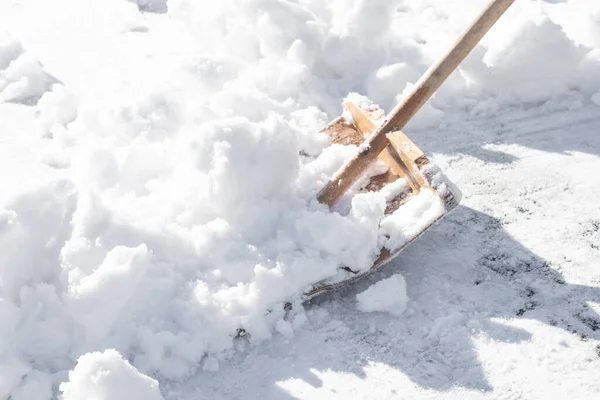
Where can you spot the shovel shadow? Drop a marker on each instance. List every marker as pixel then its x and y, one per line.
pixel 473 284
pixel 465 277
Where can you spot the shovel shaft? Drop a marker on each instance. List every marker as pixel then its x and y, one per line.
pixel 405 110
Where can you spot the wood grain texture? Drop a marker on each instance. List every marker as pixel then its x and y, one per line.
pixel 366 126
pixel 411 156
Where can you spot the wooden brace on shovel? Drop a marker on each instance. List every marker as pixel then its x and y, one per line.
pixel 401 155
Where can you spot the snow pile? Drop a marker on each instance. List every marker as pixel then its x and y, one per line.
pixel 57 107
pixel 186 214
pixel 107 376
pixel 387 295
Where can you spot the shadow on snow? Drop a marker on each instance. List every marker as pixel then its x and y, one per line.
pixel 462 275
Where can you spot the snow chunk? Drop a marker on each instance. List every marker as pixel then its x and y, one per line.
pixel 57 107
pixel 388 295
pixel 549 72
pixel 383 84
pixel 413 217
pixel 361 102
pixel 107 376
pixel 101 296
pixel 21 75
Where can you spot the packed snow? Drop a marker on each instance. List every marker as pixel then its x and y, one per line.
pixel 161 160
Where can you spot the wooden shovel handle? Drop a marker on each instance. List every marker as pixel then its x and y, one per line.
pixel 405 110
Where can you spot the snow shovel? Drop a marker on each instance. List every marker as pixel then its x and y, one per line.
pixel 377 135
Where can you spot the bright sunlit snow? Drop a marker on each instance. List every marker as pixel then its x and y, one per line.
pixel 160 164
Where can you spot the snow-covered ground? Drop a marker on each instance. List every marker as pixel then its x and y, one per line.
pixel 504 293
pixel 152 201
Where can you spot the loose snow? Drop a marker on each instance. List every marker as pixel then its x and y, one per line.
pixel 21 74
pixel 161 160
pixel 107 376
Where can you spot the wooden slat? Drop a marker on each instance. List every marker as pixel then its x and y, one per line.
pixel 410 154
pixel 366 126
pixel 341 132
